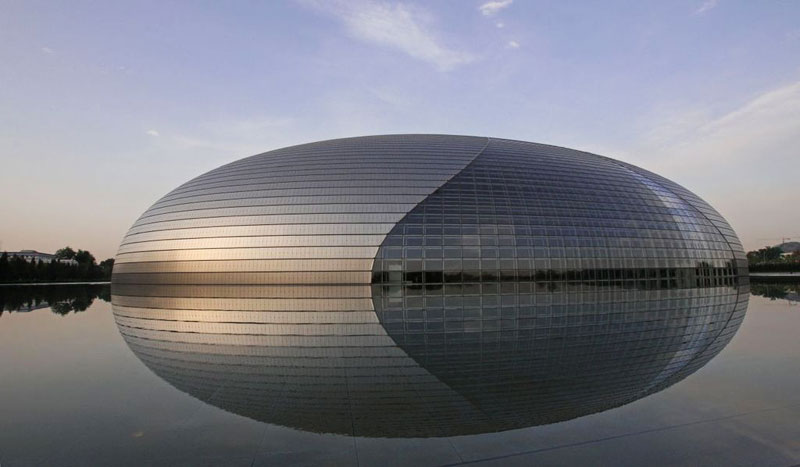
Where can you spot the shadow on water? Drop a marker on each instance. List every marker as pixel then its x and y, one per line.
pixel 62 299
pixel 776 288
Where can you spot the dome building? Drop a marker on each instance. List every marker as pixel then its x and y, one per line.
pixel 512 279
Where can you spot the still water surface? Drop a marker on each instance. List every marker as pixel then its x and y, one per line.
pixel 73 393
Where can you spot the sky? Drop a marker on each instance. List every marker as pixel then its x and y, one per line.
pixel 107 106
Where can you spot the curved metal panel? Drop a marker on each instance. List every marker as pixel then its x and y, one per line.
pixel 327 201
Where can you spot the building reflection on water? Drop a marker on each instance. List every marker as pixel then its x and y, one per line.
pixel 375 361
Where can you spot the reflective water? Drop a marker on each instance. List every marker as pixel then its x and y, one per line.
pixel 426 361
pixel 79 388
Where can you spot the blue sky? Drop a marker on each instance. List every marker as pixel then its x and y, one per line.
pixel 106 106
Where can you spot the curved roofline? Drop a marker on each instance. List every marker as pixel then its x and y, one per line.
pixel 488 138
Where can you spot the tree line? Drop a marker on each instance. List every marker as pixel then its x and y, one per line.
pixel 771 259
pixel 84 268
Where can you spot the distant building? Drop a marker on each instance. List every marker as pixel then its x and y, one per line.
pixel 33 255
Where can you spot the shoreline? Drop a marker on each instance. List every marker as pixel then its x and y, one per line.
pixel 18 284
pixel 756 275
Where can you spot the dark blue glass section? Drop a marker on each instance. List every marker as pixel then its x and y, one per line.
pixel 534 246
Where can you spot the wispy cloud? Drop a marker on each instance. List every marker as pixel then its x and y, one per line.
pixel 152 133
pixel 490 8
pixel 706 6
pixel 406 28
pixel 47 50
pixel 792 35
pixel 513 44
pixel 390 96
pixel 241 137
pixel 769 119
pixel 751 152
pixel 500 24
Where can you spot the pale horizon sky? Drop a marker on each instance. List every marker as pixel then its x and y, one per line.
pixel 107 106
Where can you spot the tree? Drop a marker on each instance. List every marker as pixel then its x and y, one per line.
pixel 766 254
pixel 65 253
pixel 771 253
pixel 40 272
pixel 4 268
pixel 19 269
pixel 106 266
pixel 84 257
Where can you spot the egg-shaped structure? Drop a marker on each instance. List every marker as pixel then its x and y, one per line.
pixel 354 285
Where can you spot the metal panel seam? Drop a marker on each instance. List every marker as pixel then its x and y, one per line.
pixel 445 182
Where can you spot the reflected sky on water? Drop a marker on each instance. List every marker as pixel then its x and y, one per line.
pixel 74 393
